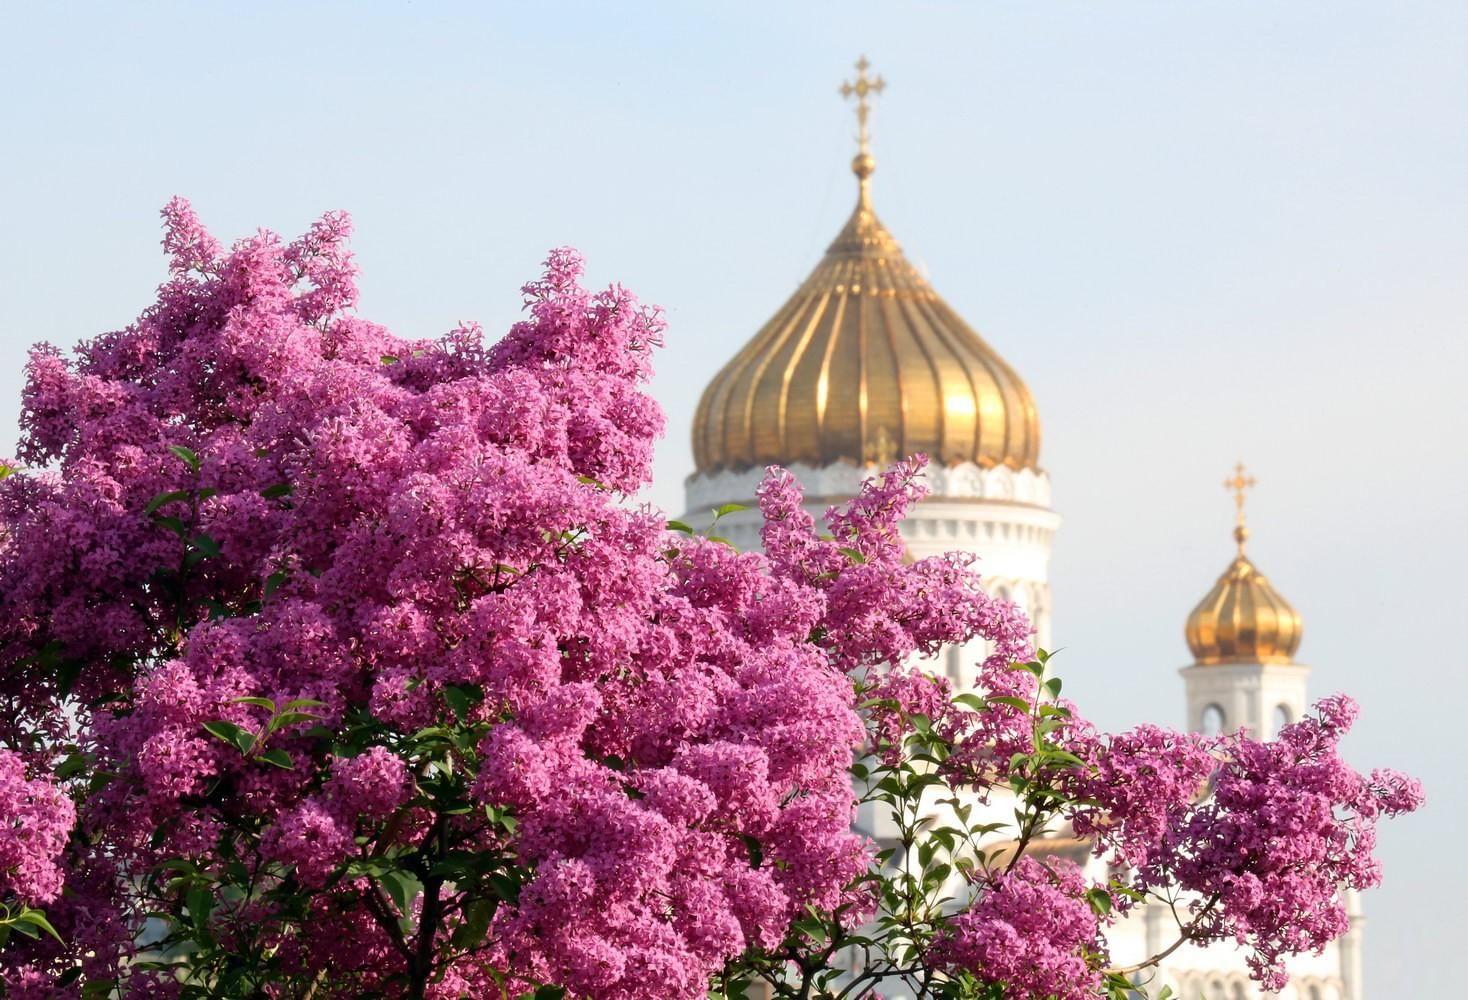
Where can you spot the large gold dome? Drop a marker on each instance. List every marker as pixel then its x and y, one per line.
pixel 865 364
pixel 1243 619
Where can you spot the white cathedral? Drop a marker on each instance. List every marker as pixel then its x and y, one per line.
pixel 865 363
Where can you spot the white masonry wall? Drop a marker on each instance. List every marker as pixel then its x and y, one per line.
pixel 1252 696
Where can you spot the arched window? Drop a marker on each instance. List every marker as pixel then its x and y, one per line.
pixel 1282 718
pixel 1212 721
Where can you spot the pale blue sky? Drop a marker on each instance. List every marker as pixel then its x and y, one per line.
pixel 1201 231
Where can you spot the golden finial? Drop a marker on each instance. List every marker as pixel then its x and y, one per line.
pixel 863 87
pixel 1238 484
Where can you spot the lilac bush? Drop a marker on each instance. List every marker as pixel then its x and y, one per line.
pixel 338 665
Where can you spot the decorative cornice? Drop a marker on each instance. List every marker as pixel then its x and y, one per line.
pixel 840 481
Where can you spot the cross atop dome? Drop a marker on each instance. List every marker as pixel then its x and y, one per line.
pixel 1238 484
pixel 860 88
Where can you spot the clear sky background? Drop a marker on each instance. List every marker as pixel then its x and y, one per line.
pixel 1201 231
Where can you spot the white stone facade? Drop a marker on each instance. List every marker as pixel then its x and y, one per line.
pixel 1258 697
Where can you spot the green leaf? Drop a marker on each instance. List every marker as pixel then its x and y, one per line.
pixel 505 886
pixel 1018 703
pixel 274 580
pixel 173 524
pixel 278 490
pixel 291 719
pixel 470 934
pixel 264 703
pixel 855 555
pixel 187 455
pixel 1066 757
pixel 970 700
pixel 296 703
pixel 200 904
pixel 550 993
pixel 459 701
pixel 279 758
pixel 7 470
pixel 164 498
pixel 729 508
pixel 680 526
pixel 208 546
pixel 403 887
pixel 389 359
pixel 73 765
pixel 756 851
pixel 232 734
pixel 35 919
pixel 1100 901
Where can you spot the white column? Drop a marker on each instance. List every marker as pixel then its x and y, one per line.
pixel 1352 984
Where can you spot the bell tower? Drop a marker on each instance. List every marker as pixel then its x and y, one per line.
pixel 1243 636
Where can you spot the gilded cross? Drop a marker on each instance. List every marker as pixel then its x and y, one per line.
pixel 862 87
pixel 1238 484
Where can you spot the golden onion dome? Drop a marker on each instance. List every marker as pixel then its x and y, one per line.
pixel 865 364
pixel 1243 619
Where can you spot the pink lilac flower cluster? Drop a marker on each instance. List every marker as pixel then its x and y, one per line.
pixel 36 817
pixel 1139 785
pixel 252 497
pixel 890 616
pixel 251 493
pixel 1288 828
pixel 1031 933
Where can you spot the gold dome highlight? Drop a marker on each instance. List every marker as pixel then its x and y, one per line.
pixel 1243 619
pixel 865 364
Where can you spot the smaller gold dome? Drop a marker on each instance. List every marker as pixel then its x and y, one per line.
pixel 1243 619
